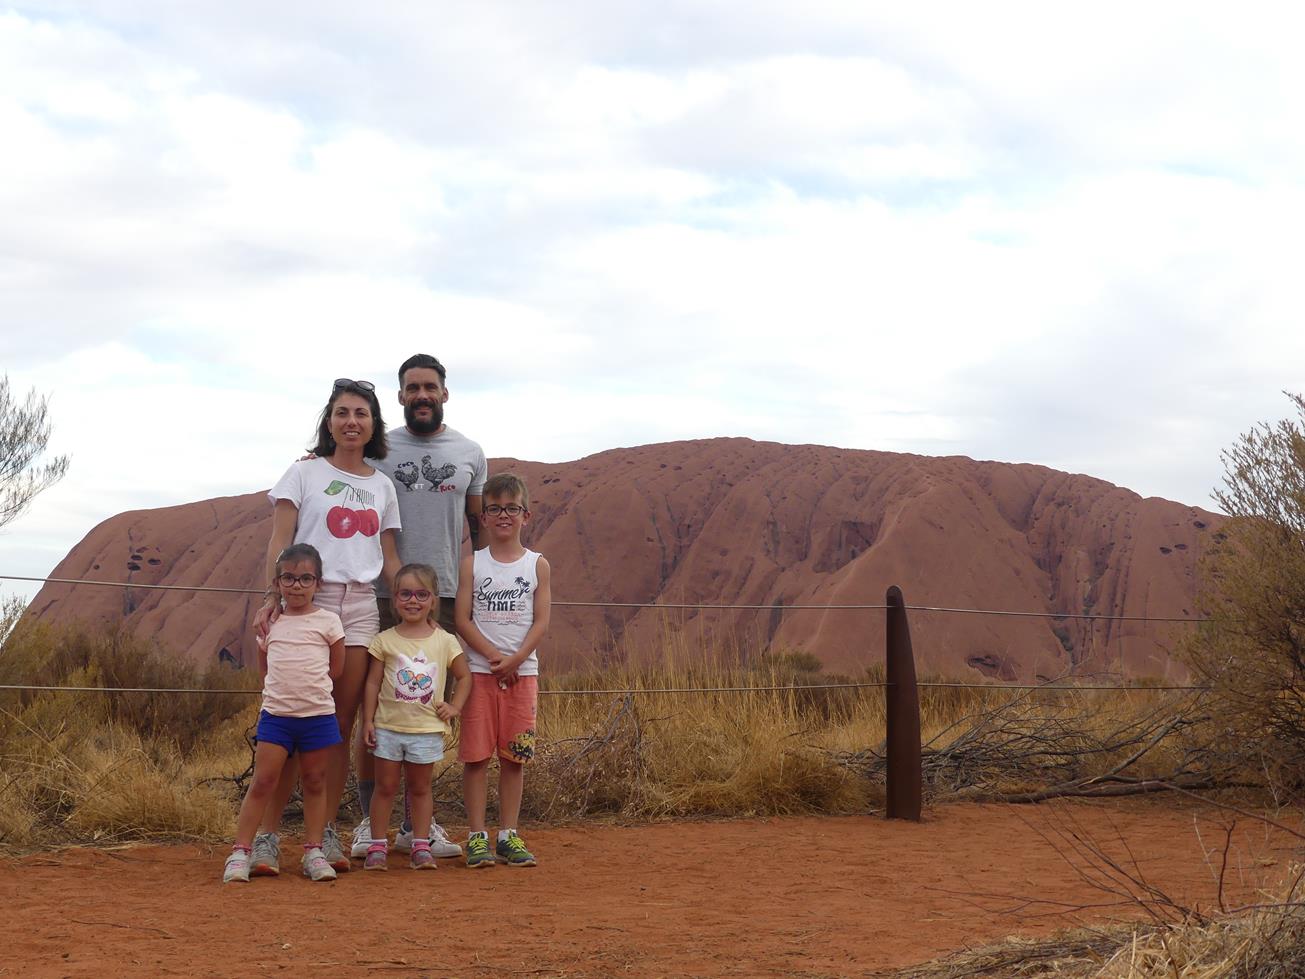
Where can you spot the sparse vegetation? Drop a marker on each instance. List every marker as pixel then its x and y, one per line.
pixel 24 434
pixel 1252 648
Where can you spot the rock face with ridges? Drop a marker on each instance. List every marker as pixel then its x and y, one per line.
pixel 737 522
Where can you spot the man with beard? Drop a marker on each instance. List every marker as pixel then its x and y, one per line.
pixel 438 476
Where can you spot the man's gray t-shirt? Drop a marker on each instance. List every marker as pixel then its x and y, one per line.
pixel 433 476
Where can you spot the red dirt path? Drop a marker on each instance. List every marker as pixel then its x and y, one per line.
pixel 802 896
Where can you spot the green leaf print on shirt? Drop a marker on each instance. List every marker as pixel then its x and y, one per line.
pixel 335 488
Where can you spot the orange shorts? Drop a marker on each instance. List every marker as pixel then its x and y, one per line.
pixel 495 720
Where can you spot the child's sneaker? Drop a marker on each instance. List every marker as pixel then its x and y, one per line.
pixel 512 851
pixel 333 851
pixel 440 844
pixel 422 858
pixel 265 860
pixel 377 857
pixel 362 838
pixel 237 868
pixel 316 866
pixel 478 854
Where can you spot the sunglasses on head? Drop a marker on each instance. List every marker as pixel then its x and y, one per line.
pixel 344 383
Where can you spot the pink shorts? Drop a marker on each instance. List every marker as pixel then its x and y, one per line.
pixel 355 604
pixel 495 720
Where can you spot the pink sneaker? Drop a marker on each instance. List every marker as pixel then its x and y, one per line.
pixel 377 858
pixel 422 858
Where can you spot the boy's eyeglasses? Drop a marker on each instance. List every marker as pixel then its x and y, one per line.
pixel 511 509
pixel 345 382
pixel 288 579
pixel 408 594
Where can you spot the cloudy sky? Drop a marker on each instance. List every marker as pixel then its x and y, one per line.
pixel 1013 232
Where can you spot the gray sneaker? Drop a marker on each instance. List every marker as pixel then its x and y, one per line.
pixel 316 867
pixel 440 844
pixel 333 851
pixel 265 858
pixel 237 868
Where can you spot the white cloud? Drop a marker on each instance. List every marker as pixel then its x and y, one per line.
pixel 1007 232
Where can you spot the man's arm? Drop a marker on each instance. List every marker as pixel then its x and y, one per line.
pixel 474 505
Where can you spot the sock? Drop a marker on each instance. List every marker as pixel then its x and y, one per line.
pixel 420 845
pixel 481 833
pixel 309 847
pixel 366 787
pixel 503 834
pixel 240 849
pixel 382 844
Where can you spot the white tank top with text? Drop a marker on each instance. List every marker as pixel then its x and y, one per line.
pixel 503 607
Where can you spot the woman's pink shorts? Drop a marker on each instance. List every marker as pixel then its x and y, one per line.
pixel 497 720
pixel 355 604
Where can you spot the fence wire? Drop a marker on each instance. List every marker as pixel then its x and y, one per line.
pixel 665 605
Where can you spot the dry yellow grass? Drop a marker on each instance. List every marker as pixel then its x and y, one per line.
pixel 81 767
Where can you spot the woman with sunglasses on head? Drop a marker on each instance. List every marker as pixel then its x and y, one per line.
pixel 346 509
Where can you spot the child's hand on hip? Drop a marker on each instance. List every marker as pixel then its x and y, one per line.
pixel 446 711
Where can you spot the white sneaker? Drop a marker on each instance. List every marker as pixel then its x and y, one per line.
pixel 440 844
pixel 362 838
pixel 316 866
pixel 237 868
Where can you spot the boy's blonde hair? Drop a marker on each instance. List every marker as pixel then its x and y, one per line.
pixel 425 574
pixel 507 484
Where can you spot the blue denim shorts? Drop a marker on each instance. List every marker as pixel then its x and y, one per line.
pixel 298 733
pixel 419 749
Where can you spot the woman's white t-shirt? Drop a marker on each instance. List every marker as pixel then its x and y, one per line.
pixel 342 515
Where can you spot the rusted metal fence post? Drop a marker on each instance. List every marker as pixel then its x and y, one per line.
pixel 903 699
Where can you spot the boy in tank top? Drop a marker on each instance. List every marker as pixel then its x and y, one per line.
pixel 502 611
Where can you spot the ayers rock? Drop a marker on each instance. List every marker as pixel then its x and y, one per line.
pixel 733 521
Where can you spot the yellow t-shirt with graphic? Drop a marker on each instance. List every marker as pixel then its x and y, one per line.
pixel 412 680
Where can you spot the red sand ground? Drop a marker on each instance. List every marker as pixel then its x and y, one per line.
pixel 798 896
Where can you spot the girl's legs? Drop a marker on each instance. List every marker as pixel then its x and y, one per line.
pixel 279 798
pixel 312 772
pixel 475 789
pixel 417 777
pixel 387 784
pixel 269 759
pixel 511 776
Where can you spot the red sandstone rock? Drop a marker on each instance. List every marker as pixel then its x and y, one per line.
pixel 732 521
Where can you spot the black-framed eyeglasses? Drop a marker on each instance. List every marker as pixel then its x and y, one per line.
pixel 347 382
pixel 408 594
pixel 305 579
pixel 511 509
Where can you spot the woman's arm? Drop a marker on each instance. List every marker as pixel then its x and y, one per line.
pixel 390 558
pixel 285 518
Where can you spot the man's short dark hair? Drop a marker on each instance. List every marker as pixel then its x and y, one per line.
pixel 421 360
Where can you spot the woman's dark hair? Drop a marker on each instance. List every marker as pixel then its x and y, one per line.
pixel 300 552
pixel 376 448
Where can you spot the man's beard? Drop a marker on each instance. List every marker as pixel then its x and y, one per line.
pixel 421 426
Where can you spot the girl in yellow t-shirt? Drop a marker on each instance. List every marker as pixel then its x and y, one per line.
pixel 404 718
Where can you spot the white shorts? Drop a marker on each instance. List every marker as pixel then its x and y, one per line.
pixel 355 604
pixel 418 749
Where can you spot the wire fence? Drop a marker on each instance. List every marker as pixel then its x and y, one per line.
pixel 1057 686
